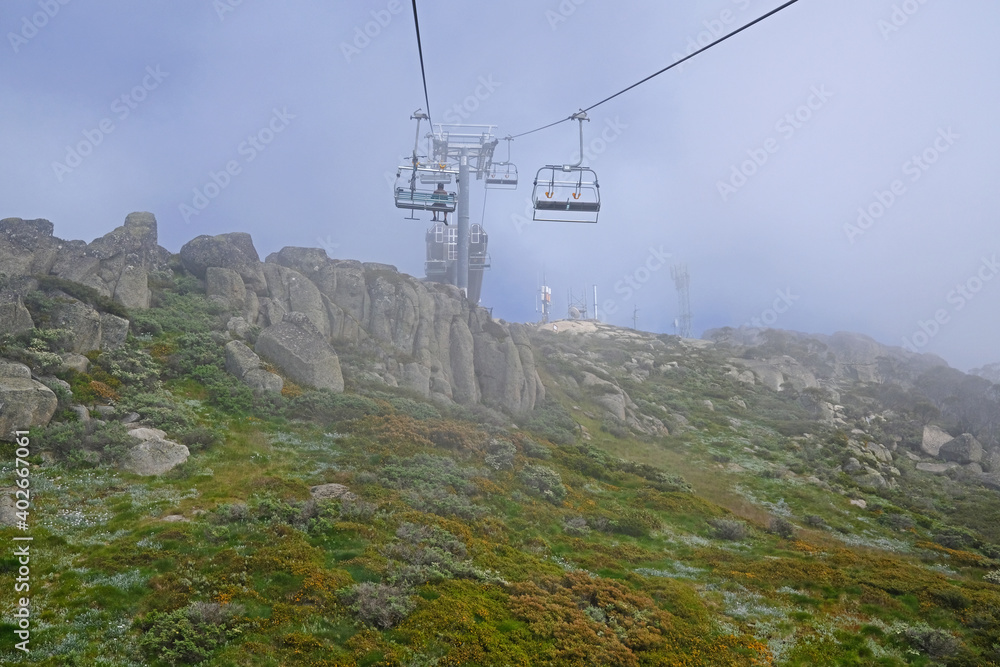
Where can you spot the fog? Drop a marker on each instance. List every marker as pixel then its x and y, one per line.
pixel 829 169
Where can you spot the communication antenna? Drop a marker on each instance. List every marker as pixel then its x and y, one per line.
pixel 543 301
pixel 577 306
pixel 682 281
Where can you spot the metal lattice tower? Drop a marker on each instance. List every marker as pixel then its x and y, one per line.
pixel 682 280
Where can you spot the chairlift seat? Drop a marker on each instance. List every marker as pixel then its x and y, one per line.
pixel 421 200
pixel 568 205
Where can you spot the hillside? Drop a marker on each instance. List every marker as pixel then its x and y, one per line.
pixel 312 461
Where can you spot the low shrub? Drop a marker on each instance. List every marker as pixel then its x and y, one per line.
pixel 781 527
pixel 378 604
pixel 189 636
pixel 544 482
pixel 729 529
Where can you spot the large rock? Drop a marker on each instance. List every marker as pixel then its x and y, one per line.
pixel 229 251
pixel 83 321
pixel 27 247
pixel 296 347
pixel 991 461
pixel 8 507
pixel 114 331
pixel 155 456
pixel 23 402
pixel 501 376
pixel 226 285
pixel 963 449
pixel 244 363
pixel 14 317
pixel 933 438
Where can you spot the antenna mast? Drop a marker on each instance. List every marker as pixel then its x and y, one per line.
pixel 682 280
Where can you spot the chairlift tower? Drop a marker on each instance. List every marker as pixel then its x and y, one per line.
pixel 454 151
pixel 471 147
pixel 682 281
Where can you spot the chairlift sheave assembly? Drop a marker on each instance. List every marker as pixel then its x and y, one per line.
pixel 567 192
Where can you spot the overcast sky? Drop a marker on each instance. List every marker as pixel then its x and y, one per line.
pixel 752 164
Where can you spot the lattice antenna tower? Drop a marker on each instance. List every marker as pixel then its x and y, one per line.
pixel 682 281
pixel 577 309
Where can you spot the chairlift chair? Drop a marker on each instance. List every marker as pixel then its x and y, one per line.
pixel 413 194
pixel 567 192
pixel 502 175
pixel 415 183
pixel 564 193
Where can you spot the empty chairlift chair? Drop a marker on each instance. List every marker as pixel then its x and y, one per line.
pixel 502 175
pixel 567 192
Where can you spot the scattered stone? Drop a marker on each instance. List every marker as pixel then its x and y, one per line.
pixel 82 413
pixel 858 502
pixel 76 362
pixel 991 461
pixel 174 518
pixel 145 433
pixel 936 468
pixel 331 492
pixel 155 456
pixel 24 402
pixel 933 438
pixel 107 411
pixel 871 479
pixel 852 466
pixel 297 348
pixel 8 508
pixel 963 449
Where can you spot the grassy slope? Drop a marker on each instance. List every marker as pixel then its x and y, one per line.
pixel 463 548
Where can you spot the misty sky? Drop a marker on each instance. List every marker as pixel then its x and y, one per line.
pixel 753 164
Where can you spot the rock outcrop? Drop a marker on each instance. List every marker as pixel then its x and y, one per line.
pixel 425 336
pixel 117 265
pixel 24 402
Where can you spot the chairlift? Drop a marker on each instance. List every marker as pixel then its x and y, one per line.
pixel 502 175
pixel 567 192
pixel 413 189
pixel 411 193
